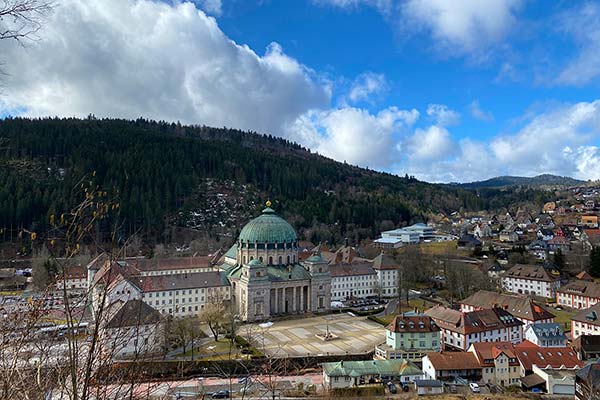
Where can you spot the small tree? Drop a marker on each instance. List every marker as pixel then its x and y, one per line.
pixel 215 316
pixel 559 259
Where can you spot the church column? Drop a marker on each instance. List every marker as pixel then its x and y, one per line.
pixel 302 309
pixel 276 307
pixel 294 299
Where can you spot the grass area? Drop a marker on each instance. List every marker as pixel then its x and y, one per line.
pixel 440 248
pixel 419 304
pixel 562 316
pixel 212 348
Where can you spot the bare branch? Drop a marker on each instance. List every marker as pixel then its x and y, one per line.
pixel 21 19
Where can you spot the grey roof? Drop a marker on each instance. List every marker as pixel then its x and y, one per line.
pixel 551 331
pixel 371 367
pixel 159 283
pixel 428 383
pixel 134 313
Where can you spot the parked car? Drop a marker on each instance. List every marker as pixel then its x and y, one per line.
pixel 452 389
pixel 474 387
pixel 392 388
pixel 221 394
pixel 405 387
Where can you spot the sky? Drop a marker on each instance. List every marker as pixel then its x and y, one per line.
pixel 447 91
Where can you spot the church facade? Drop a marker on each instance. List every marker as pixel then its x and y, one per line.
pixel 266 276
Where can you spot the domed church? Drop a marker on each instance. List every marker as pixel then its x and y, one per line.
pixel 266 276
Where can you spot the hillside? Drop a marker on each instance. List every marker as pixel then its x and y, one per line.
pixel 166 175
pixel 545 180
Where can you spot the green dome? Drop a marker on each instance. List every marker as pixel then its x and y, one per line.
pixel 254 263
pixel 268 228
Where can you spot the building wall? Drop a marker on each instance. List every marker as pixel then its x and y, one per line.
pixel 530 286
pixel 577 302
pixel 388 282
pixel 135 341
pixel 185 302
pixel 582 328
pixel 459 341
pixel 360 286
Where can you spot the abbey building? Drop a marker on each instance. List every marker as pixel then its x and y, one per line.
pixel 266 276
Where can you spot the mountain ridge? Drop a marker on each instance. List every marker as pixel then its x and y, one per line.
pixel 533 181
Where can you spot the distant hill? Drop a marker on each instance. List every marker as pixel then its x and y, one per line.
pixel 536 181
pixel 169 177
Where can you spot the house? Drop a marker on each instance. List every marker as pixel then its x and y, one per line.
pixel 498 362
pixel 538 248
pixel 447 365
pixel 346 374
pixel 529 355
pixel 482 230
pixel 587 346
pixel 134 331
pixel 530 279
pixel 587 382
pixel 589 204
pixel 591 237
pixel 589 221
pixel 545 234
pixel 586 322
pixel 387 274
pixel 584 276
pixel 508 235
pixel 559 243
pixel 409 337
pixel 73 279
pixel 546 335
pixel 495 271
pixel 468 241
pixel 354 280
pixel 578 294
pixel 549 207
pixel 428 387
pixel 556 381
pixel 461 329
pixel 523 308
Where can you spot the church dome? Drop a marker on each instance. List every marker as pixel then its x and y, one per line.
pixel 268 228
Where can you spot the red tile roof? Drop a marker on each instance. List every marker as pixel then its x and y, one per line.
pixel 486 352
pixel 412 323
pixel 453 360
pixel 554 357
pixel 474 321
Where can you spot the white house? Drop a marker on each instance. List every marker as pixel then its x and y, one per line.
pixel 134 331
pixel 409 337
pixel 498 362
pixel 73 279
pixel 586 322
pixel 461 329
pixel 447 365
pixel 578 294
pixel 387 274
pixel 530 279
pixel 355 280
pixel 546 335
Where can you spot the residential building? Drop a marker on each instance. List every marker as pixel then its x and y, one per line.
pixel 557 381
pixel 530 279
pixel 589 221
pixel 529 355
pixel 586 322
pixel 587 347
pixel 134 331
pixel 498 362
pixel 409 337
pixel 73 279
pixel 546 335
pixel 461 329
pixel 346 374
pixel 559 243
pixel 578 294
pixel 584 276
pixel 523 308
pixel 387 274
pixel 508 235
pixel 355 280
pixel 587 382
pixel 448 365
pixel 468 241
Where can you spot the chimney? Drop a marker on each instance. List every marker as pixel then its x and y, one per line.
pixel 346 242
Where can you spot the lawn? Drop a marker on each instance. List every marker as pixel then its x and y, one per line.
pixel 440 248
pixel 563 317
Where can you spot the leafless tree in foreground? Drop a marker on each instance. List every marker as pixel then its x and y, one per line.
pixel 22 19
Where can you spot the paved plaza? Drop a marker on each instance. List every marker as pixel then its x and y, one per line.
pixel 296 338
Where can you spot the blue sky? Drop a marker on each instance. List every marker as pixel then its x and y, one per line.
pixel 445 91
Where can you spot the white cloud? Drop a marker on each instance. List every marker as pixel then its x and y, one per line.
pixel 462 25
pixel 354 135
pixel 561 141
pixel 384 6
pixel 478 113
pixel 583 25
pixel 431 144
pixel 213 7
pixel 442 115
pixel 366 85
pixel 131 58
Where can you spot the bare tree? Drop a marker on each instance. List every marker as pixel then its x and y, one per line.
pixel 22 19
pixel 216 316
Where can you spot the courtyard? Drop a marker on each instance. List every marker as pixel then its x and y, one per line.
pixel 297 337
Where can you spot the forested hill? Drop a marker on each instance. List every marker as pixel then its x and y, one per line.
pixel 159 171
pixel 545 180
